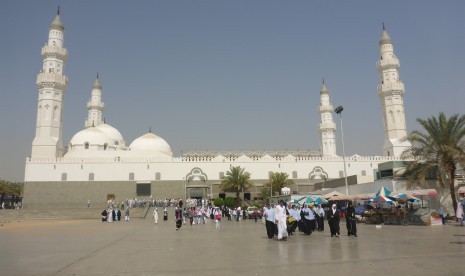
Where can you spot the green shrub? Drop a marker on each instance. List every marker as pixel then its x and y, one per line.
pixel 218 202
pixel 230 202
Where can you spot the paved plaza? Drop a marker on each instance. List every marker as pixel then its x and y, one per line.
pixel 139 247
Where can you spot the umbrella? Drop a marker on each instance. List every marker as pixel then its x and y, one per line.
pixel 319 200
pixel 383 192
pixel 308 200
pixel 405 197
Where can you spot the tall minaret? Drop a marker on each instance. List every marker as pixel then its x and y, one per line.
pixel 52 85
pixel 95 106
pixel 391 93
pixel 327 125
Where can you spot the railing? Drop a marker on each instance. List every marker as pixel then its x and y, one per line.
pixel 53 50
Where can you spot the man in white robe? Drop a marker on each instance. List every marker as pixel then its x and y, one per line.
pixel 281 217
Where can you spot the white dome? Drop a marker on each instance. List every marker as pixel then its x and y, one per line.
pixel 151 142
pixel 92 136
pixel 112 133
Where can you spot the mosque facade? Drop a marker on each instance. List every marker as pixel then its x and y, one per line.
pixel 97 163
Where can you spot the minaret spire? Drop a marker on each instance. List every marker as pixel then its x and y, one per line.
pixel 95 105
pixel 391 94
pixel 327 126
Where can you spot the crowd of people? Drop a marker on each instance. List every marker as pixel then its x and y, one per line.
pixel 282 220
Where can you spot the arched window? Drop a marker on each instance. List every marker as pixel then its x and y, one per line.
pixel 105 146
pixel 86 145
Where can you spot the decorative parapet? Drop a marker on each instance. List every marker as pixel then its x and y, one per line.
pixel 391 87
pixel 215 159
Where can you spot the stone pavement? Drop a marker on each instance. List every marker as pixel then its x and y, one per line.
pixel 138 247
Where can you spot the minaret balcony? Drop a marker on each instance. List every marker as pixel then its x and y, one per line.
pixel 389 87
pixel 328 125
pixel 53 51
pixel 325 108
pixel 95 105
pixel 388 64
pixel 51 79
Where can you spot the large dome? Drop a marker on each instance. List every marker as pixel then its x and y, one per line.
pixel 113 134
pixel 151 142
pixel 91 136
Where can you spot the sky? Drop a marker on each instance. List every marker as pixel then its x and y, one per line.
pixel 230 75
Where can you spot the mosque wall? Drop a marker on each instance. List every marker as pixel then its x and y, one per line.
pixel 89 170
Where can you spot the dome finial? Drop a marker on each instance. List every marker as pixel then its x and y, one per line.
pixel 104 120
pixel 58 10
pixel 384 28
pixel 97 75
pixel 323 80
pixel 150 129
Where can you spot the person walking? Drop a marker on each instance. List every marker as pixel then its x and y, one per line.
pixel 320 218
pixel 126 214
pixel 351 222
pixel 178 217
pixel 165 214
pixel 307 215
pixel 281 218
pixel 217 215
pixel 459 214
pixel 269 221
pixel 333 221
pixel 155 215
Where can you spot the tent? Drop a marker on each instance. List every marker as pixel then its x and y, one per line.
pixel 335 196
pixel 383 192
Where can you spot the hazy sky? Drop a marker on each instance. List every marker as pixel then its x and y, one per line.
pixel 230 75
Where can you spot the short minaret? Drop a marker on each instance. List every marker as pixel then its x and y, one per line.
pixel 327 125
pixel 391 93
pixel 95 106
pixel 52 85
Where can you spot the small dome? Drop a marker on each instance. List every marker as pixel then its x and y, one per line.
pixel 56 24
pixel 324 90
pixel 385 38
pixel 97 84
pixel 112 133
pixel 91 135
pixel 151 142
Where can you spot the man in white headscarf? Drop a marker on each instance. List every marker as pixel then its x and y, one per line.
pixel 281 218
pixel 333 221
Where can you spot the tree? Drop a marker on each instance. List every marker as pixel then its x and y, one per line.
pixel 277 181
pixel 439 149
pixel 236 180
pixel 10 188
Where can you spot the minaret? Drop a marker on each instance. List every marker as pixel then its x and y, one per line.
pixel 327 125
pixel 95 106
pixel 391 93
pixel 52 85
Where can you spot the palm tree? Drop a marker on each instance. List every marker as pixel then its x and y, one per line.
pixel 277 181
pixel 236 180
pixel 440 149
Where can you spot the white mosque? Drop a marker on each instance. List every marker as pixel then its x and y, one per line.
pixel 97 163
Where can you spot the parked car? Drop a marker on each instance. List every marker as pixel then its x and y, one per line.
pixel 251 209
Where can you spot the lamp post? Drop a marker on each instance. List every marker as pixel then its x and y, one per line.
pixel 338 110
